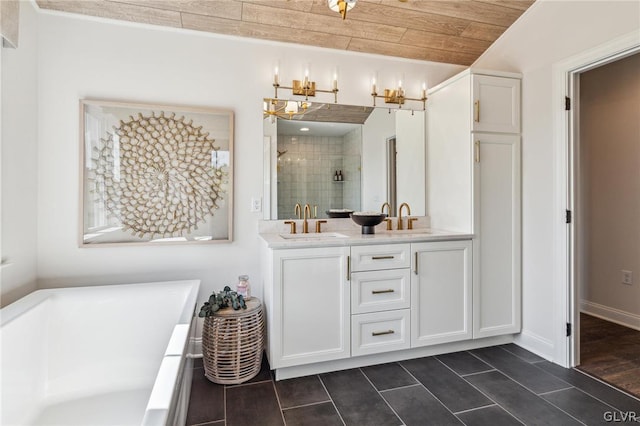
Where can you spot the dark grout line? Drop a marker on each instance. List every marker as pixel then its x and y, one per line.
pixel 331 399
pixel 478 408
pixel 273 383
pixel 307 405
pixel 477 372
pixel 239 385
pixel 400 387
pixel 425 388
pixel 380 395
pixel 557 390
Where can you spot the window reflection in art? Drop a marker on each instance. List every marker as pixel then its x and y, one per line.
pixel 156 175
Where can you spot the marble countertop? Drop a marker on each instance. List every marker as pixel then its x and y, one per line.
pixel 343 232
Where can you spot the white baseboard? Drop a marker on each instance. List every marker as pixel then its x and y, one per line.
pixel 533 343
pixel 617 316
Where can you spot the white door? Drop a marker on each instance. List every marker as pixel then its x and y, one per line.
pixel 311 309
pixel 496 104
pixel 440 292
pixel 497 253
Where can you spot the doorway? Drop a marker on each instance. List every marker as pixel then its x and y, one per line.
pixel 604 190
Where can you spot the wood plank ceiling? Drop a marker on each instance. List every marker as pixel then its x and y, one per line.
pixel 450 31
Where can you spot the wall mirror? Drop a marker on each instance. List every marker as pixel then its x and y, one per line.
pixel 344 157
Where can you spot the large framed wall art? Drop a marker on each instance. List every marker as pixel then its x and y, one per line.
pixel 155 174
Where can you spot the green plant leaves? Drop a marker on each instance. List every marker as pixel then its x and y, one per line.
pixel 223 299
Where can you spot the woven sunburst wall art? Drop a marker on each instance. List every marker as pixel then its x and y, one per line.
pixel 156 173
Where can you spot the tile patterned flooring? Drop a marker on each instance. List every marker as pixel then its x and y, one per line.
pixel 500 385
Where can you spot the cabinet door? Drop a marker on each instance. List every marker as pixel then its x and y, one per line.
pixel 310 306
pixel 496 284
pixel 440 292
pixel 496 104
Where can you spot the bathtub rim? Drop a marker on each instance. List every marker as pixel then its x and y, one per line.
pixel 186 319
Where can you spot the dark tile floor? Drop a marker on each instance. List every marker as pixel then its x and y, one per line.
pixel 501 385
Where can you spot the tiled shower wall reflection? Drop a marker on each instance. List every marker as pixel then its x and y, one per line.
pixel 306 171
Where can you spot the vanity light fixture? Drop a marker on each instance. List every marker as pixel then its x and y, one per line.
pixel 305 87
pixel 284 109
pixel 396 96
pixel 341 6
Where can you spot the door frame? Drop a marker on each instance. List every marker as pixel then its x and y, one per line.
pixel 565 84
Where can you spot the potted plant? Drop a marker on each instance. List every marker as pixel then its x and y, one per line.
pixel 223 299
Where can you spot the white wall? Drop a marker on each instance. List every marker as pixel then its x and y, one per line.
pixel 91 58
pixel 609 145
pixel 549 32
pixel 19 161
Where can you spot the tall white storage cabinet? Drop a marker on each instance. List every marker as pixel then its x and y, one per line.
pixel 473 162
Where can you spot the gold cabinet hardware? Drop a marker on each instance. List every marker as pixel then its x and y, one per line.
pixel 319 226
pixel 382 257
pixel 348 268
pixel 477 149
pixel 382 333
pixel 293 226
pixel 389 290
pixel 410 222
pixel 415 269
pixel 476 111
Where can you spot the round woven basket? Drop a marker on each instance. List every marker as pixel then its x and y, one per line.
pixel 232 344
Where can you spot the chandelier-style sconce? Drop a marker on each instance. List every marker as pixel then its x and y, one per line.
pixel 341 6
pixel 305 87
pixel 275 108
pixel 396 96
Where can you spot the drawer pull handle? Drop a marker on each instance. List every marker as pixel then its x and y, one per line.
pixel 382 333
pixel 389 290
pixel 382 257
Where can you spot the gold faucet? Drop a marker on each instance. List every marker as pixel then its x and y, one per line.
pixel 400 226
pixel 307 214
pixel 389 226
pixel 297 210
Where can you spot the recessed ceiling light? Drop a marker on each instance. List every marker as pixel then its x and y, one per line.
pixel 304 129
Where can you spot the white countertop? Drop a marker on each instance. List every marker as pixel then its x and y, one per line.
pixel 343 232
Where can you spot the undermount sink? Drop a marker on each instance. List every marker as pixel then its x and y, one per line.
pixel 411 231
pixel 316 236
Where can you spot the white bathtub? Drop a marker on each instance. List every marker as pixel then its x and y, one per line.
pixel 107 355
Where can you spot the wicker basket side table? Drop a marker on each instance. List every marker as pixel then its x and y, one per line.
pixel 232 343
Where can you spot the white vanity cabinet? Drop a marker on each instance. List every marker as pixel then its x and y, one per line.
pixel 380 291
pixel 308 306
pixel 441 291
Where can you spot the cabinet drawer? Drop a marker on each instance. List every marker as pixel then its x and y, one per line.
pixel 375 258
pixel 379 332
pixel 373 291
